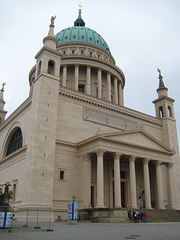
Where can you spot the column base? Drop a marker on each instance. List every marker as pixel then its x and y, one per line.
pixel 118 206
pixel 161 208
pixel 172 207
pixel 87 206
pixel 100 206
pixel 134 207
pixel 148 207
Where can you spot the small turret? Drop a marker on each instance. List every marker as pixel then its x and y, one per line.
pixel 163 104
pixel 2 103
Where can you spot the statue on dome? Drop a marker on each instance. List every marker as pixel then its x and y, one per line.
pixel 2 89
pixel 52 20
pixel 159 71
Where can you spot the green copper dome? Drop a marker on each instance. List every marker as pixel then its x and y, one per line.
pixel 80 33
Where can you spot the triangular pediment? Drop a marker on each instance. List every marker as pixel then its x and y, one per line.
pixel 138 138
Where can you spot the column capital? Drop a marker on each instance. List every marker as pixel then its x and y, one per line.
pixel 117 155
pixel 146 160
pixel 100 152
pixel 170 165
pixel 132 158
pixel 86 156
pixel 158 163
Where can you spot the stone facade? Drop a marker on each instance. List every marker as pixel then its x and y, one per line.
pixel 79 138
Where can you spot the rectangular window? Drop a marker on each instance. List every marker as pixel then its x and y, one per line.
pixel 81 88
pixel 61 175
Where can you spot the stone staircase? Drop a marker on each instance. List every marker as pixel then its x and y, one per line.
pixel 157 215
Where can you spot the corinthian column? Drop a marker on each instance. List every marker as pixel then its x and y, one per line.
pixel 109 87
pixel 88 80
pixel 100 178
pixel 159 185
pixel 147 183
pixel 121 97
pixel 117 180
pixel 99 83
pixel 171 186
pixel 87 181
pixel 76 77
pixel 115 91
pixel 64 76
pixel 132 176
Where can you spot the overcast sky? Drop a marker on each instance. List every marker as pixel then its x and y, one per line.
pixel 142 35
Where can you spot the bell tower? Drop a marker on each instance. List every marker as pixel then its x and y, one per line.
pixel 165 111
pixel 42 137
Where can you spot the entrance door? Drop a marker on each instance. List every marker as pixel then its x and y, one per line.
pixel 92 196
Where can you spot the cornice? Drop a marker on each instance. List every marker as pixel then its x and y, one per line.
pixel 82 97
pixel 164 98
pixel 45 48
pixel 86 45
pixel 61 142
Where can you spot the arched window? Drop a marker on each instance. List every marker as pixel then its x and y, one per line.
pixel 50 69
pixel 161 112
pixel 15 141
pixel 39 67
pixel 169 111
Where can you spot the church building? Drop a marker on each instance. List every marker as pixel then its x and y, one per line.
pixel 74 136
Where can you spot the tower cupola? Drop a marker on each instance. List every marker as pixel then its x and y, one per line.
pixel 162 90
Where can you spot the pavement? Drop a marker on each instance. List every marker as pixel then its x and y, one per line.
pixel 93 231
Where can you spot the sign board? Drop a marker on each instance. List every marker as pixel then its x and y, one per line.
pixel 75 217
pixel 2 218
pixel 6 219
pixel 72 210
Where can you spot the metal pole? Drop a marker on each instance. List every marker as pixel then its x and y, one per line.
pixel 27 213
pixel 37 221
pixel 37 217
pixel 49 229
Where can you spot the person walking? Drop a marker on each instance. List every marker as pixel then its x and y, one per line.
pixel 145 217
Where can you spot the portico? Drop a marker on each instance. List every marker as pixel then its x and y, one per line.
pixel 118 178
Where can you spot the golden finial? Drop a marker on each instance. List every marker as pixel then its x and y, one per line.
pixel 80 6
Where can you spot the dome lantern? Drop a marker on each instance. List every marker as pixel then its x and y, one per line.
pixel 79 21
